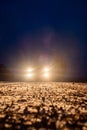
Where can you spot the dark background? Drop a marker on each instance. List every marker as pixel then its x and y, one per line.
pixel 44 32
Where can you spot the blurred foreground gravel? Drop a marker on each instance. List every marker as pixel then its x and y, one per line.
pixel 43 106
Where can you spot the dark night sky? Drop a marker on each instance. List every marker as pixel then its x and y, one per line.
pixel 44 30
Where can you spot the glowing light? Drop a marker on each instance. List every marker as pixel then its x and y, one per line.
pixel 30 69
pixel 46 69
pixel 46 75
pixel 29 75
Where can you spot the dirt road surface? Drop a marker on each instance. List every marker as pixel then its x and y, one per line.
pixel 43 106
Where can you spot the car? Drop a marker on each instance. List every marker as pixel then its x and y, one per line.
pixel 38 73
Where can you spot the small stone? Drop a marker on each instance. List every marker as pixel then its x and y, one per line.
pixel 8 125
pixel 84 128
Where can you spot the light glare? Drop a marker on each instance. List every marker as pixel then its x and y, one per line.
pixel 46 75
pixel 30 75
pixel 30 69
pixel 46 69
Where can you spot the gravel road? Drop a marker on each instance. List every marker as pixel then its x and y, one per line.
pixel 43 106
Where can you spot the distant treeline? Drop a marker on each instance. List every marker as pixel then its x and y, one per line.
pixel 5 73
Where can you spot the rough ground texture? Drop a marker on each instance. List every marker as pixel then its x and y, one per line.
pixel 43 106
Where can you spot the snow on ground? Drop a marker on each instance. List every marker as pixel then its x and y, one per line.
pixel 43 106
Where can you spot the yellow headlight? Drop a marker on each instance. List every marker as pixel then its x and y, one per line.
pixel 29 75
pixel 46 75
pixel 30 70
pixel 46 69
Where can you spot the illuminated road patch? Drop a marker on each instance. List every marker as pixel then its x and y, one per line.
pixel 48 105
